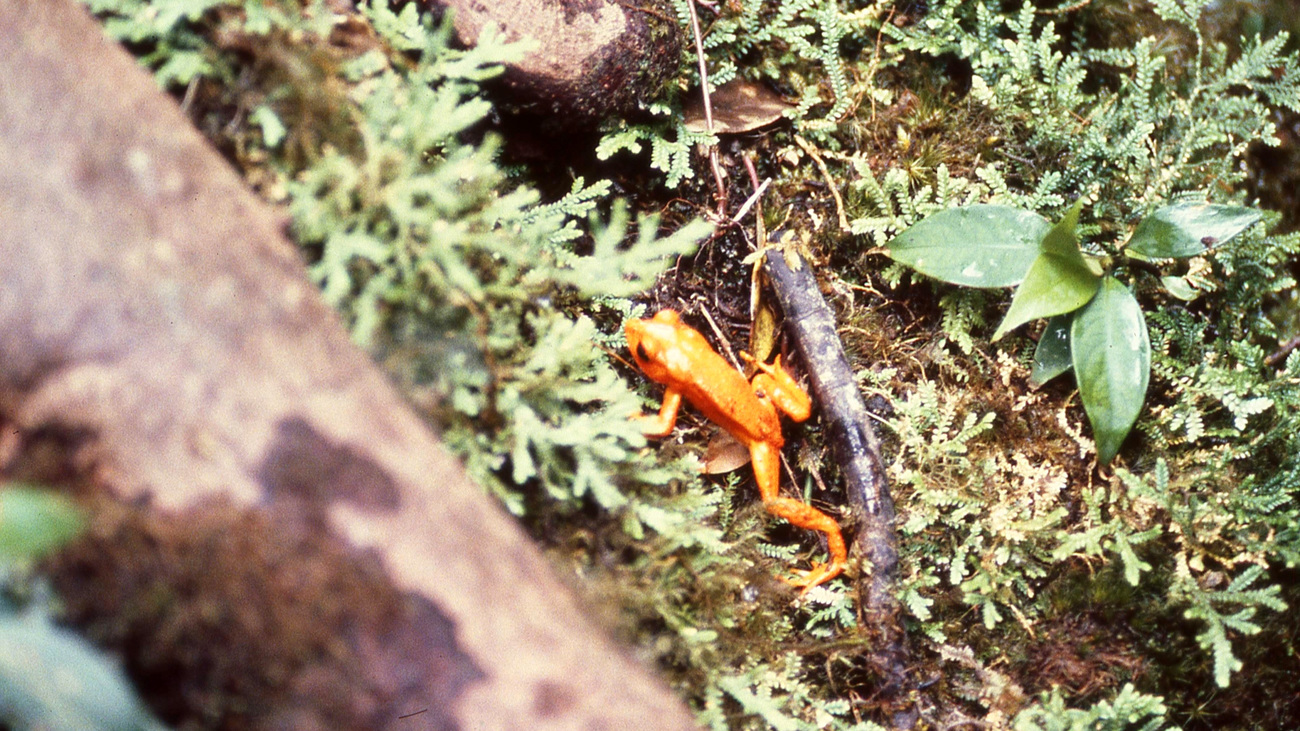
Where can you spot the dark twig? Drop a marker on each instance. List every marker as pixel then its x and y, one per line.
pixel 857 451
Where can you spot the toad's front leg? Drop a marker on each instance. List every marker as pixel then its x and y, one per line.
pixel 661 424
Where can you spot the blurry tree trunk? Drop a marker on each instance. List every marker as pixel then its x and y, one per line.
pixel 155 322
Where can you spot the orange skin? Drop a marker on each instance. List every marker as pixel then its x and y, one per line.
pixel 679 357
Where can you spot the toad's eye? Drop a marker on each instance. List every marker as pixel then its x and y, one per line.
pixel 641 354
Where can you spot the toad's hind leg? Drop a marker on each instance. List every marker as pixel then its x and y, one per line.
pixel 767 470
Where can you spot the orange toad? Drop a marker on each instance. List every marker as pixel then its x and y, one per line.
pixel 676 355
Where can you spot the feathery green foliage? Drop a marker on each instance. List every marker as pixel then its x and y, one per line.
pixel 177 52
pixel 1129 711
pixel 1148 133
pixel 669 153
pixel 1125 130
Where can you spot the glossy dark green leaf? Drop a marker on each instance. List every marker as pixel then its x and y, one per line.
pixel 974 246
pixel 1052 356
pixel 1111 354
pixel 1187 229
pixel 1058 281
pixel 34 522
